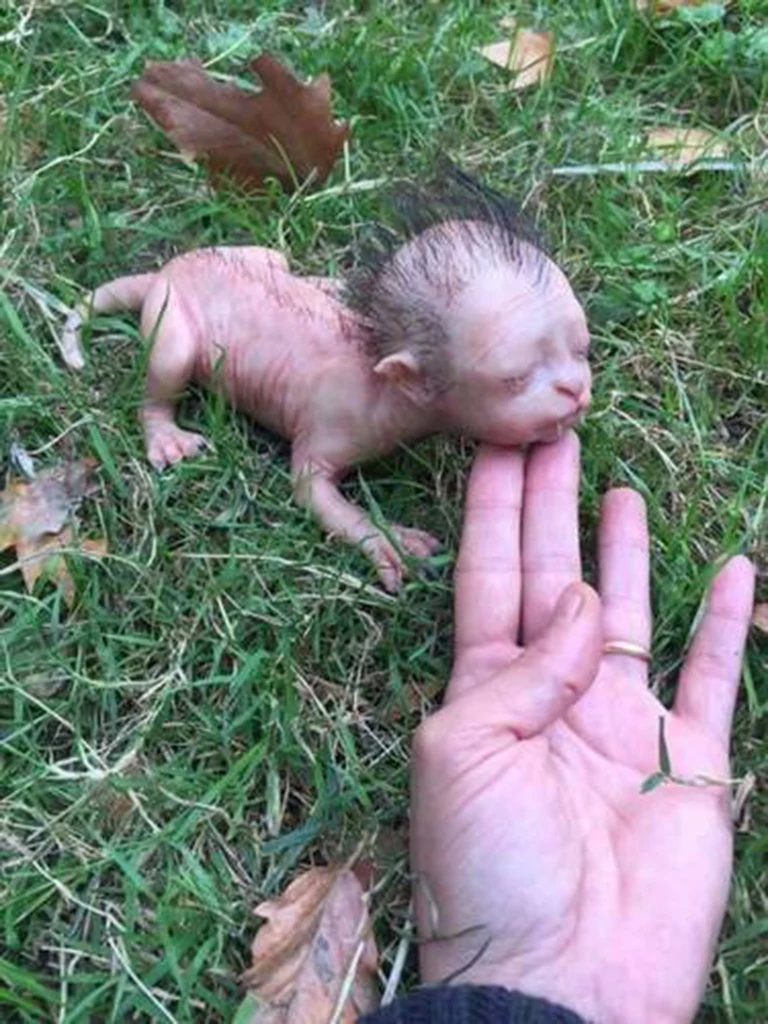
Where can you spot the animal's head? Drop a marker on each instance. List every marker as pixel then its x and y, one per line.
pixel 470 318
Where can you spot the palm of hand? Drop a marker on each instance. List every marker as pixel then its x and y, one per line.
pixel 585 890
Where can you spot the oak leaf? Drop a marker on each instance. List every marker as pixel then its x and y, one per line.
pixel 317 933
pixel 33 517
pixel 683 146
pixel 530 56
pixel 285 131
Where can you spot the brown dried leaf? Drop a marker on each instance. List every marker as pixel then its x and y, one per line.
pixel 665 6
pixel 29 510
pixel 43 556
pixel 315 931
pixel 530 56
pixel 760 617
pixel 683 146
pixel 498 53
pixel 285 131
pixel 33 517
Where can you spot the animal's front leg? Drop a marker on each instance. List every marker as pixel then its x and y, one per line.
pixel 317 489
pixel 170 369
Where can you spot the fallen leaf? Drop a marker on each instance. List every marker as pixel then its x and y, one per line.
pixel 32 520
pixel 530 56
pixel 42 506
pixel 315 933
pixel 498 53
pixel 760 617
pixel 683 146
pixel 285 131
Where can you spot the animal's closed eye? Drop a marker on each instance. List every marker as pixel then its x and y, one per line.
pixel 517 384
pixel 580 347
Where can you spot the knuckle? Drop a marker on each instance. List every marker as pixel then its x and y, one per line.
pixel 712 664
pixel 552 563
pixel 550 675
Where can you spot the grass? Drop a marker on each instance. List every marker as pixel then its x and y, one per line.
pixel 232 698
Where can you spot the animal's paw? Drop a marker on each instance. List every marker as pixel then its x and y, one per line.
pixel 388 562
pixel 168 444
pixel 389 565
pixel 415 542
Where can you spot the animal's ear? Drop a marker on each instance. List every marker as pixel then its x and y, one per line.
pixel 405 371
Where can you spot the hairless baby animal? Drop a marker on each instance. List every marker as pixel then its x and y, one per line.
pixel 458 323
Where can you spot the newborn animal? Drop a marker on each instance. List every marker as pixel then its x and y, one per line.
pixel 460 324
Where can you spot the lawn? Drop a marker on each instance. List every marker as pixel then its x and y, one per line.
pixel 231 697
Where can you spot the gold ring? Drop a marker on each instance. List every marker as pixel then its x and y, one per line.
pixel 627 648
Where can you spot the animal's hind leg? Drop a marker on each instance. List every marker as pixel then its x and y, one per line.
pixel 171 366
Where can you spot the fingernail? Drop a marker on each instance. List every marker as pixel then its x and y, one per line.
pixel 571 604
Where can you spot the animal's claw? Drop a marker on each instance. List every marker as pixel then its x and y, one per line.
pixel 388 563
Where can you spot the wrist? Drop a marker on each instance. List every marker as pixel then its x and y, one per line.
pixel 590 989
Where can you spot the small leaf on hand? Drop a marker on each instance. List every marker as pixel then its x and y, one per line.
pixel 285 131
pixel 33 518
pixel 316 932
pixel 653 782
pixel 665 764
pixel 530 56
pixel 683 146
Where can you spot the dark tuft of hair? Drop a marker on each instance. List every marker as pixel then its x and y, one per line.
pixel 384 292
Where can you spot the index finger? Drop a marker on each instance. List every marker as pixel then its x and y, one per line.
pixel 487 577
pixel 551 558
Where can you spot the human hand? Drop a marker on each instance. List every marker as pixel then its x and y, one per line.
pixel 529 829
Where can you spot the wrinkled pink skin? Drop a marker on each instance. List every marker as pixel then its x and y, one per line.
pixel 288 353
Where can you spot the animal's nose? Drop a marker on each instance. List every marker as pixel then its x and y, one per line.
pixel 574 384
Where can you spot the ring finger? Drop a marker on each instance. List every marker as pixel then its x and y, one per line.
pixel 625 582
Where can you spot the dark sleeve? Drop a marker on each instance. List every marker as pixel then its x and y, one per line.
pixel 470 1004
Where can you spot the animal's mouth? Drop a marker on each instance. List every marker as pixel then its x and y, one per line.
pixel 554 431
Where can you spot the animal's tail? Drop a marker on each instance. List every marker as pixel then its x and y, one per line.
pixel 124 293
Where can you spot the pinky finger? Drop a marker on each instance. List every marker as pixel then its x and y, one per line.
pixel 710 679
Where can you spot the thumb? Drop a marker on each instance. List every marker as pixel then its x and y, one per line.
pixel 550 675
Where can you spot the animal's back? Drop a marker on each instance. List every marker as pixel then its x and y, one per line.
pixel 270 338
